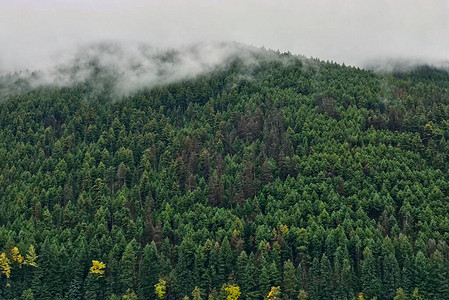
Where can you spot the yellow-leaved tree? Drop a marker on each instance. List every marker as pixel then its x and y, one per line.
pixel 97 268
pixel 160 288
pixel 16 256
pixel 232 291
pixel 275 293
pixel 5 265
pixel 30 257
pixel 13 258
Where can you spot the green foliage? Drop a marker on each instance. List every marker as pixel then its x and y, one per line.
pixel 196 294
pixel 289 280
pixel 400 295
pixel 27 295
pixel 323 180
pixel 302 295
pixel 149 270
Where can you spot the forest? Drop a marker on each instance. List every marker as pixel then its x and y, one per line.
pixel 283 178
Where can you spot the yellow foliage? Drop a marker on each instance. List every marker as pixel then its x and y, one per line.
pixel 16 256
pixel 284 229
pixel 159 288
pixel 97 268
pixel 275 293
pixel 30 257
pixel 232 291
pixel 361 297
pixel 5 265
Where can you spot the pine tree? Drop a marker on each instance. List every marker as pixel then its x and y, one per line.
pixel 391 276
pixel 250 278
pixel 275 275
pixel 128 267
pixel 347 278
pixel 93 287
pixel 326 276
pixel 407 276
pixel 225 261
pixel 185 267
pixel 200 269
pixel 46 280
pixel 314 279
pixel 421 273
pixel 242 261
pixel 149 270
pixel 289 280
pixel 439 275
pixel 370 276
pixel 264 278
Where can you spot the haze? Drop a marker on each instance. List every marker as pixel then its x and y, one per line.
pixel 36 34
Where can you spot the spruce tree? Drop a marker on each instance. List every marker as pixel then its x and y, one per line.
pixel 371 284
pixel 289 280
pixel 149 270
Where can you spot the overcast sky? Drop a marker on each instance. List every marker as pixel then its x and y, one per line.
pixel 35 33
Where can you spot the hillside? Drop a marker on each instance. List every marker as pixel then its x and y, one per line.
pixel 274 171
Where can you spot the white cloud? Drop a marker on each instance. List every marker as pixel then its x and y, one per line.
pixel 34 34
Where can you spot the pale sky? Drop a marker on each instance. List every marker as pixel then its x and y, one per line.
pixel 36 33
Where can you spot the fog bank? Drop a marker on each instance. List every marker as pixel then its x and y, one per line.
pixel 36 34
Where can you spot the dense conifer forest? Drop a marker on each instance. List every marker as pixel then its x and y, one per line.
pixel 278 178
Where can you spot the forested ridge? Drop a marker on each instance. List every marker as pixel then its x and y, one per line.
pixel 284 178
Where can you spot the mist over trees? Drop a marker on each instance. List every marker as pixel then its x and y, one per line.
pixel 282 178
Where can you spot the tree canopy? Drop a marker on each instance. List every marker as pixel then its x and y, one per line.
pixel 280 178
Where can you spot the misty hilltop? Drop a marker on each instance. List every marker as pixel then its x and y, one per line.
pixel 222 171
pixel 123 69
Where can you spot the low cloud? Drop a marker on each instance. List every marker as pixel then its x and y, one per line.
pixel 39 35
pixel 123 69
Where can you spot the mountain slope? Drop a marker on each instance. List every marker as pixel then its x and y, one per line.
pixel 284 171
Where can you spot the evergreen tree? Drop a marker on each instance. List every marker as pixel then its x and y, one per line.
pixel 289 280
pixel 264 278
pixel 149 270
pixel 128 267
pixel 370 276
pixel 326 276
pixel 185 266
pixel 225 261
pixel 314 282
pixel 421 273
pixel 391 276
